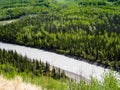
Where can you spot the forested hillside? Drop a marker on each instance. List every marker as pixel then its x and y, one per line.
pixel 83 28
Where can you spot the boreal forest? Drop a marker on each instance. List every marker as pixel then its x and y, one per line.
pixel 82 29
pixel 88 29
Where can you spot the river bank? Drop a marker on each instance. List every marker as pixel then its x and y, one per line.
pixel 74 68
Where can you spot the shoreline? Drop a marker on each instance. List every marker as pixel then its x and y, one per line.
pixel 73 68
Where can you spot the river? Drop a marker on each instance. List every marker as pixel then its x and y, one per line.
pixel 4 22
pixel 73 68
pixel 8 21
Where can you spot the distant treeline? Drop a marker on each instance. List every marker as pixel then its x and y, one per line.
pixel 13 9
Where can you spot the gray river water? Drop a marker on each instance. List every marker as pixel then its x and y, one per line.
pixel 73 68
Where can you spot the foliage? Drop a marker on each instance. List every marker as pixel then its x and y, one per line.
pixel 17 63
pixel 12 64
pixel 88 31
pixel 97 41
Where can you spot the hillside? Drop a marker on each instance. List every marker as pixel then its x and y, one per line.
pixel 82 29
pixel 88 31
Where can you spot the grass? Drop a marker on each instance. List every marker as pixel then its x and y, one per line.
pixel 43 81
pixel 109 83
pixel 16 84
pixel 10 71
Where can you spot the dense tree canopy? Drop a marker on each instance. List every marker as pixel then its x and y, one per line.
pixel 81 29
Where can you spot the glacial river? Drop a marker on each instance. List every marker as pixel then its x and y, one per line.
pixel 73 68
